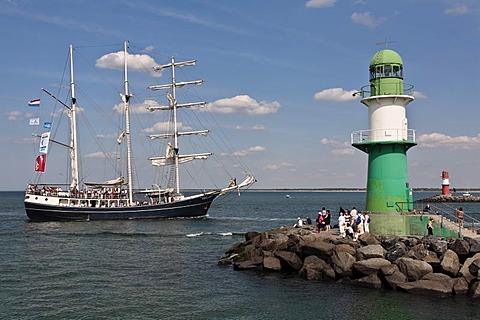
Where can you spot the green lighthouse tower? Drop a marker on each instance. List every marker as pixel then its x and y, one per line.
pixel 388 138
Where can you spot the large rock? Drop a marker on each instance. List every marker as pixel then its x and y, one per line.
pixel 315 268
pixel 437 245
pixel 413 269
pixel 460 286
pixel 410 241
pixel 273 241
pixel 460 247
pixel 367 238
pixel 432 260
pixel 370 266
pixel 450 263
pixel 245 265
pixel 392 276
pixel 464 270
pixel 370 251
pixel 420 251
pixel 370 281
pixel 289 261
pixel 272 264
pixel 388 241
pixel 254 254
pixel 474 245
pixel 295 243
pixel 398 250
pixel 474 267
pixel 251 235
pixel 342 264
pixel 434 285
pixel 475 290
pixel 344 247
pixel 318 248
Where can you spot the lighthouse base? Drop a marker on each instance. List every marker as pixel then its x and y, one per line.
pixel 407 225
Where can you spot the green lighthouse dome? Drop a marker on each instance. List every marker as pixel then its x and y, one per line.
pixel 386 57
pixel 386 73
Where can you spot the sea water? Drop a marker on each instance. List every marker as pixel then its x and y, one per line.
pixel 167 269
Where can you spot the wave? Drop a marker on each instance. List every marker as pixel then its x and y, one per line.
pixel 215 234
pixel 191 235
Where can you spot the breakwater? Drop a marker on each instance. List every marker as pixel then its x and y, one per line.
pixel 430 265
pixel 450 198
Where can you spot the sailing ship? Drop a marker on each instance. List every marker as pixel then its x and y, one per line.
pixel 117 198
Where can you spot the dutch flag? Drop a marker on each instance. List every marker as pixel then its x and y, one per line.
pixel 34 103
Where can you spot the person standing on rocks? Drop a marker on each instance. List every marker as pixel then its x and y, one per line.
pixel 327 220
pixel 341 224
pixel 460 214
pixel 347 216
pixel 366 222
pixel 319 221
pixel 430 227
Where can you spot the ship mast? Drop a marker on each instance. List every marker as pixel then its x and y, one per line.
pixel 173 105
pixel 73 128
pixel 126 104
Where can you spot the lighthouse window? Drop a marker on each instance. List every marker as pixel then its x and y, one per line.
pixel 379 72
pixel 397 71
pixel 388 71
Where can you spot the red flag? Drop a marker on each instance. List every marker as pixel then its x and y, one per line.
pixel 40 163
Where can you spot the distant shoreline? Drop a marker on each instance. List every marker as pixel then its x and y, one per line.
pixel 460 190
pixel 352 190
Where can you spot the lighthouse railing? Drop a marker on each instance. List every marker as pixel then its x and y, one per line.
pixel 365 91
pixel 383 135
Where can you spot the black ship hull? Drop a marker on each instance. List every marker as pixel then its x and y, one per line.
pixel 192 207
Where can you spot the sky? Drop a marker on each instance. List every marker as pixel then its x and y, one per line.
pixel 278 74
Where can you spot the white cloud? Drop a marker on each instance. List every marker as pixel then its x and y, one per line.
pixel 366 19
pixel 244 152
pixel 165 126
pixel 137 108
pixel 457 10
pixel 259 127
pixel 440 140
pixel 326 141
pixel 243 104
pixel 419 95
pixel 320 3
pixel 149 49
pixel 136 62
pixel 15 115
pixel 274 167
pixel 338 148
pixel 343 151
pixel 335 94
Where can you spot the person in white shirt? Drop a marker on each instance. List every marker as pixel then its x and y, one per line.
pixel 341 224
pixel 299 223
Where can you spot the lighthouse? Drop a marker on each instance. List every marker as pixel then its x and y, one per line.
pixel 388 138
pixel 445 183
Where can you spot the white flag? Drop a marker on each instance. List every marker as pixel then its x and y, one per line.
pixel 34 121
pixel 44 142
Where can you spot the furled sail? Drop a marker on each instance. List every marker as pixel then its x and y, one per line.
pixel 108 183
pixel 171 135
pixel 163 161
pixel 171 153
